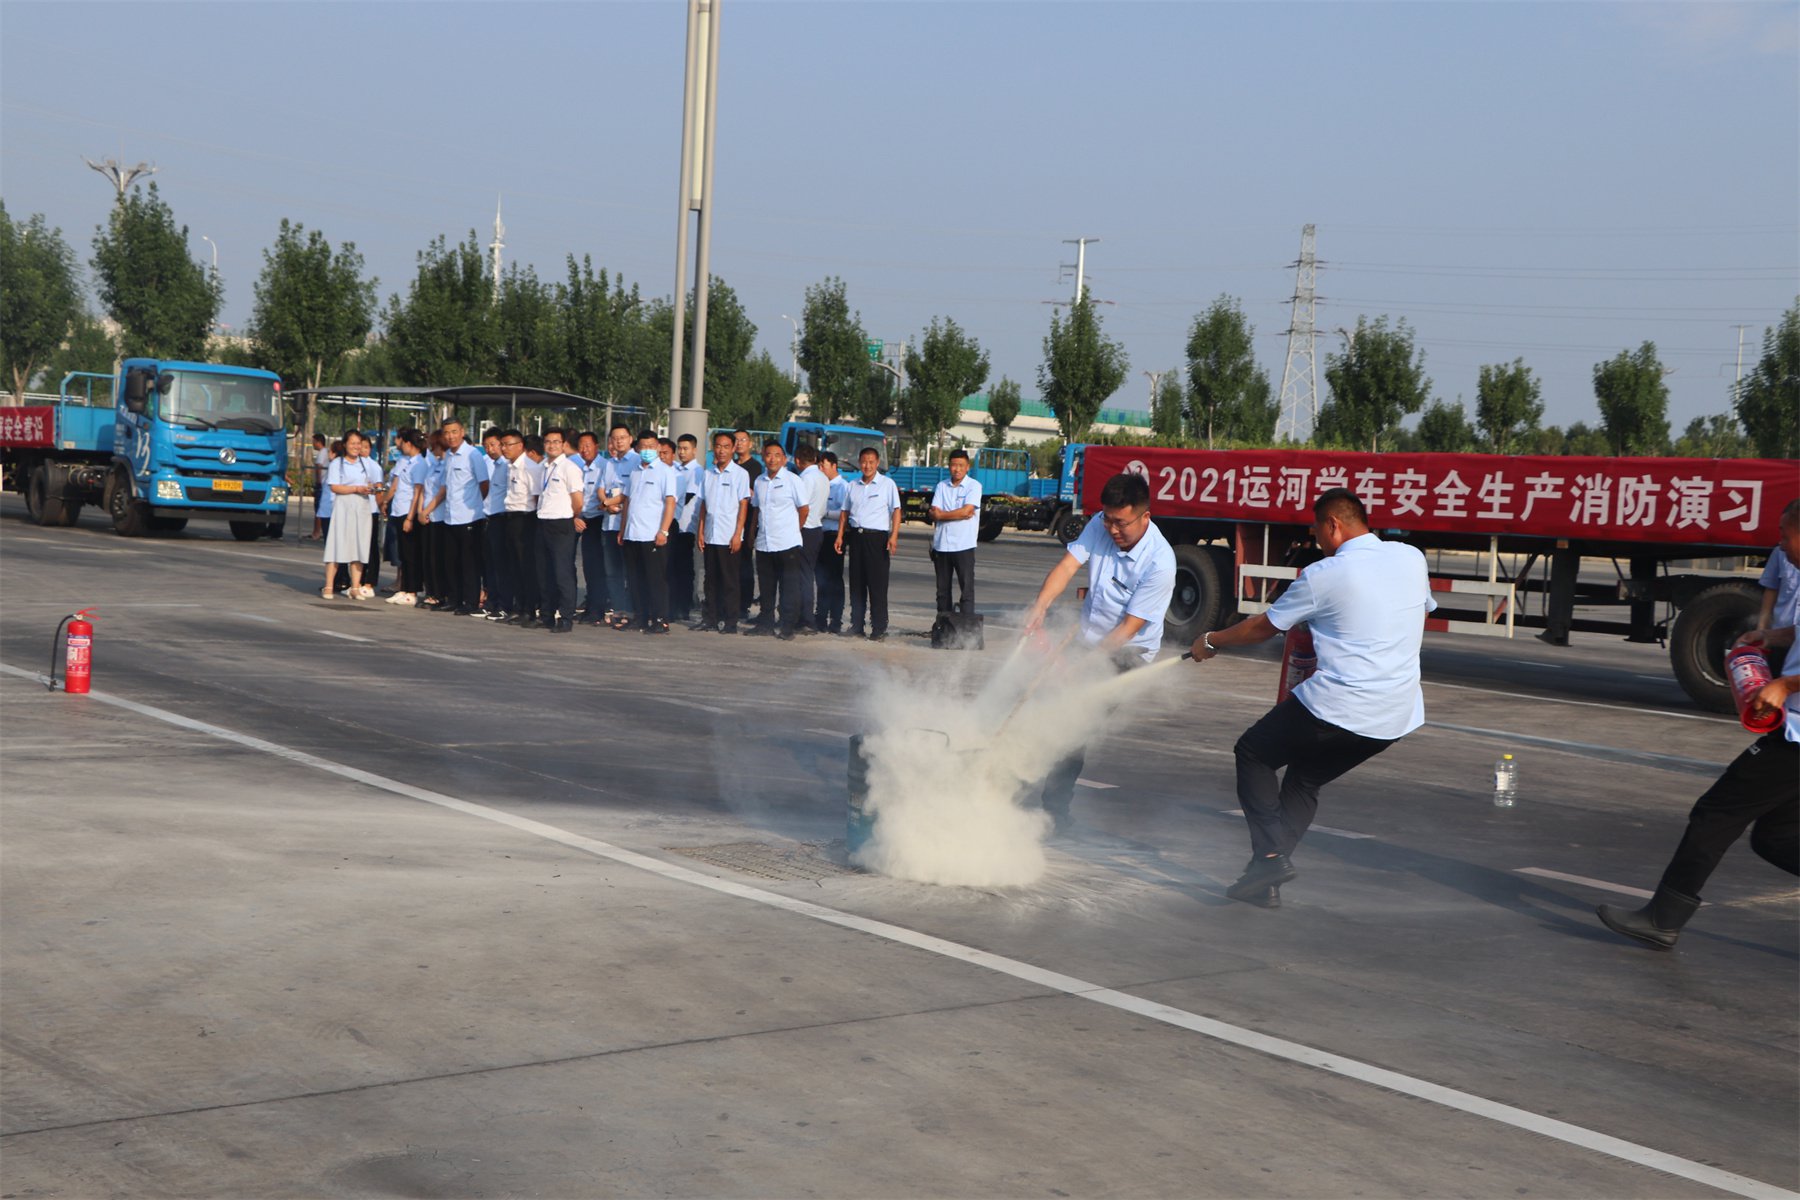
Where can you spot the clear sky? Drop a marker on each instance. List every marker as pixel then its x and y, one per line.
pixel 1552 181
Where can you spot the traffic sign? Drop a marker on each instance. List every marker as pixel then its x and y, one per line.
pixel 875 349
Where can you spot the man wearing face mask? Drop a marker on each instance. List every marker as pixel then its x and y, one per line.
pixel 651 493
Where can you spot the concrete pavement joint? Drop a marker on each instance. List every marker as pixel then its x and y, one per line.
pixel 1280 1048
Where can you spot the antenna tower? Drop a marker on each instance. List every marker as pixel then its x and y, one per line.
pixel 497 245
pixel 1300 377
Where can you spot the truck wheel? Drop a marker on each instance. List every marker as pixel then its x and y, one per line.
pixel 1225 562
pixel 130 517
pixel 1199 594
pixel 248 531
pixel 990 527
pixel 1068 526
pixel 276 531
pixel 1703 631
pixel 44 496
pixel 168 524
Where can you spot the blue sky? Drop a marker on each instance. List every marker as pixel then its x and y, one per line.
pixel 1552 181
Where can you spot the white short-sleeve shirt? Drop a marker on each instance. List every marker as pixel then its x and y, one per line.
pixel 871 504
pixel 950 536
pixel 777 499
pixel 1125 583
pixel 524 484
pixel 818 494
pixel 561 495
pixel 346 472
pixel 687 497
pixel 403 479
pixel 648 487
pixel 721 491
pixel 1366 607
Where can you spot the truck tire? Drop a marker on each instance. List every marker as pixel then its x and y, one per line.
pixel 168 524
pixel 1067 525
pixel 247 531
pixel 44 496
pixel 276 531
pixel 130 516
pixel 1703 631
pixel 991 525
pixel 1225 562
pixel 1199 594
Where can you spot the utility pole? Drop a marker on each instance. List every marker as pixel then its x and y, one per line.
pixel 1737 386
pixel 1155 378
pixel 497 245
pixel 1080 264
pixel 215 252
pixel 1300 377
pixel 794 349
pixel 699 122
pixel 119 175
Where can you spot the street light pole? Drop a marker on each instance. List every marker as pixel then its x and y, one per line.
pixel 215 250
pixel 794 347
pixel 699 112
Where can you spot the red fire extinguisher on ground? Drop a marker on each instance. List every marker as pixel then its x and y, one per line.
pixel 1298 661
pixel 78 653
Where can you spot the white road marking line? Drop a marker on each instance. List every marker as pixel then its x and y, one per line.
pixel 1326 829
pixel 836 733
pixel 1604 886
pixel 1673 762
pixel 255 617
pixel 1095 783
pixel 689 704
pixel 348 637
pixel 455 658
pixel 1069 985
pixel 1657 678
pixel 1649 712
pixel 1544 665
pixel 566 679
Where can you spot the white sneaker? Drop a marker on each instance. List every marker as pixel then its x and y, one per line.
pixel 397 598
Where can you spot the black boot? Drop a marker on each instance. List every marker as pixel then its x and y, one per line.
pixel 1261 874
pixel 1657 924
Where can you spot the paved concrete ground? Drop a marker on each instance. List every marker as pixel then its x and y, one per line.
pixel 232 971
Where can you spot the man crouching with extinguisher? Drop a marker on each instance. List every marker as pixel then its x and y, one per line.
pixel 1366 604
pixel 1759 791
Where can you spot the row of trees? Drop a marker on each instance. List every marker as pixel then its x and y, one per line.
pixel 317 320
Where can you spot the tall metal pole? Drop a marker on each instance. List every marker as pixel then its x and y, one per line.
pixel 681 209
pixel 703 256
pixel 1081 245
pixel 794 349
pixel 1737 385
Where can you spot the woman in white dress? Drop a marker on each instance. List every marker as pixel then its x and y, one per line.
pixel 354 480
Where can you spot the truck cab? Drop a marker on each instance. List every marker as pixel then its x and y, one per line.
pixel 847 441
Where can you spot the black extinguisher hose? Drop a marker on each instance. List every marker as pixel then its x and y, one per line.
pixel 55 642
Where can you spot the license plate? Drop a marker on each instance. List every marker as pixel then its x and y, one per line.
pixel 228 485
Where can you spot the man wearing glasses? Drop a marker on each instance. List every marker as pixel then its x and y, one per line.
pixel 1365 603
pixel 1131 575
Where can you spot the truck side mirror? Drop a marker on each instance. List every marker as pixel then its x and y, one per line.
pixel 165 384
pixel 137 387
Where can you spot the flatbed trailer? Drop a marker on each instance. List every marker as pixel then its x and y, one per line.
pixel 1240 522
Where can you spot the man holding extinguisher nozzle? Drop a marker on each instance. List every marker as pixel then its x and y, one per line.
pixel 1759 791
pixel 1365 603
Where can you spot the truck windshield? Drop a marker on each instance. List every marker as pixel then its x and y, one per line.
pixel 850 445
pixel 222 401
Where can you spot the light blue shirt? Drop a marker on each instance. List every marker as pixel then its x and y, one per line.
pixel 872 505
pixel 835 499
pixel 1125 583
pixel 614 472
pixel 720 494
pixel 1787 612
pixel 593 474
pixel 818 494
pixel 431 476
pixel 348 473
pixel 951 536
pixel 1366 607
pixel 687 499
pixel 496 497
pixel 779 498
pixel 465 470
pixel 646 488
pixel 1780 576
pixel 402 479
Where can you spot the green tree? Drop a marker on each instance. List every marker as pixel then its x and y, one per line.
pixel 312 308
pixel 529 342
pixel 1228 394
pixel 873 404
pixel 39 297
pixel 1634 402
pixel 1768 403
pixel 1379 379
pixel 444 333
pixel 947 366
pixel 607 344
pixel 833 351
pixel 1168 410
pixel 1585 441
pixel 1550 440
pixel 1717 436
pixel 1003 410
pixel 164 301
pixel 1508 405
pixel 1445 429
pixel 88 348
pixel 1081 368
pixel 763 397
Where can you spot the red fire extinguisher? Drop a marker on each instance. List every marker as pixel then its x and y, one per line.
pixel 1298 661
pixel 78 653
pixel 1749 670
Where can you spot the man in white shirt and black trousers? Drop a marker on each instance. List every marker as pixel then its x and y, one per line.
pixel 1130 577
pixel 557 506
pixel 872 525
pixel 524 481
pixel 724 501
pixel 779 498
pixel 1365 604
pixel 955 528
pixel 812 530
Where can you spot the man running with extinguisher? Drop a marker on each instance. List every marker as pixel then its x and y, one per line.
pixel 1365 604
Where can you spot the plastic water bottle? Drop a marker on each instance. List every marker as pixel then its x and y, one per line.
pixel 1506 782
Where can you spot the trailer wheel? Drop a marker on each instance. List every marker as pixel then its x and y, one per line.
pixel 1226 564
pixel 1703 631
pixel 248 531
pixel 1068 525
pixel 1199 594
pixel 990 527
pixel 47 496
pixel 130 516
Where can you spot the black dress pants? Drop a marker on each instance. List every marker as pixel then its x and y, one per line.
pixel 462 565
pixel 722 567
pixel 502 587
pixel 412 557
pixel 593 571
pixel 1314 752
pixel 778 574
pixel 810 541
pixel 747 569
pixel 829 610
pixel 1760 791
pixel 868 578
pixel 961 564
pixel 435 557
pixel 646 565
pixel 556 568
pixel 520 530
pixel 681 576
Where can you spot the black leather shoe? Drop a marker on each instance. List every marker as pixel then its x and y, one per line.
pixel 703 626
pixel 1268 899
pixel 1260 875
pixel 531 623
pixel 759 631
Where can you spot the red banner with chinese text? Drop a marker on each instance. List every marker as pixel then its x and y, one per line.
pixel 34 427
pixel 1705 501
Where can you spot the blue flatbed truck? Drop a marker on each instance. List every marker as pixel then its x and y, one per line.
pixel 1006 489
pixel 179 440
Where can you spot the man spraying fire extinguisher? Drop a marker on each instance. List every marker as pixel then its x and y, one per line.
pixel 1365 605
